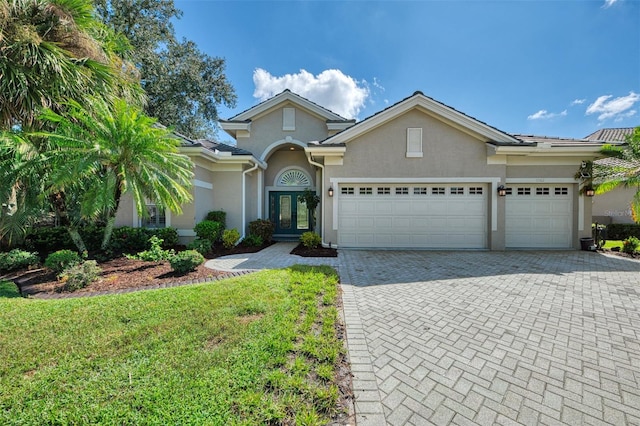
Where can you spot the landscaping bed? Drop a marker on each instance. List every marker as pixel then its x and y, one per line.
pixel 319 251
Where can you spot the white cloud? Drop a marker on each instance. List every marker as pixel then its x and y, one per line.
pixel 625 115
pixel 543 114
pixel 613 108
pixel 578 102
pixel 608 3
pixel 332 89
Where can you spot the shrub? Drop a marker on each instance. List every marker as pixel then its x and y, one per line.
pixel 310 239
pixel 61 260
pixel 155 252
pixel 210 230
pixel 230 237
pixel 186 261
pixel 218 216
pixel 263 228
pixel 620 231
pixel 46 240
pixel 630 245
pixel 200 245
pixel 169 236
pixel 253 241
pixel 80 275
pixel 17 259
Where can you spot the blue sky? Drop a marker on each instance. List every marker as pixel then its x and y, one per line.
pixel 555 68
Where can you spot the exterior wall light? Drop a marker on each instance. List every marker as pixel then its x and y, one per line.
pixel 331 191
pixel 589 192
pixel 502 191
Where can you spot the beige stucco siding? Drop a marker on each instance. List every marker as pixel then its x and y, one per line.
pixel 267 129
pixel 613 206
pixel 280 161
pixel 227 196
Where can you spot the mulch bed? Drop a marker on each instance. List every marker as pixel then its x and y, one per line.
pixel 122 273
pixel 319 251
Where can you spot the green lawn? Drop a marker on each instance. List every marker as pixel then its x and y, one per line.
pixel 613 243
pixel 256 349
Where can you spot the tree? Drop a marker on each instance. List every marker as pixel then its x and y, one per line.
pixel 311 199
pixel 626 172
pixel 53 50
pixel 50 51
pixel 111 150
pixel 184 86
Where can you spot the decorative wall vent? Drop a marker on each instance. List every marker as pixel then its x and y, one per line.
pixel 294 178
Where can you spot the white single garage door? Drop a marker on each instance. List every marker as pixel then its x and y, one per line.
pixel 539 216
pixel 435 216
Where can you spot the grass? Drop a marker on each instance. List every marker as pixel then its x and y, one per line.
pixel 612 244
pixel 256 349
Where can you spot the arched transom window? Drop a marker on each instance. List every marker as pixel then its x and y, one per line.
pixel 294 177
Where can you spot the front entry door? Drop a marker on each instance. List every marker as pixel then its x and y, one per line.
pixel 290 215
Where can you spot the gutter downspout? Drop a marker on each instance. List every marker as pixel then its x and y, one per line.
pixel 321 166
pixel 244 198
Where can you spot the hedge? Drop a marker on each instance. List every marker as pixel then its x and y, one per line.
pixel 621 231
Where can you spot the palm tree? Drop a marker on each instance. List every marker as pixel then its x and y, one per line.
pixel 111 150
pixel 622 169
pixel 53 50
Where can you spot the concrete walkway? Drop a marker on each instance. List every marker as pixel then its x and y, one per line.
pixel 486 337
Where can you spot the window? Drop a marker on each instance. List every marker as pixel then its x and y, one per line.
pixel 542 191
pixel 561 191
pixel 524 191
pixel 420 190
pixel 347 190
pixel 475 190
pixel 414 142
pixel 456 191
pixel 508 191
pixel 384 190
pixel 288 119
pixel 402 190
pixel 366 191
pixel 156 219
pixel 437 191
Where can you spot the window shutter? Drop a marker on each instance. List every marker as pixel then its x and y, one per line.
pixel 414 142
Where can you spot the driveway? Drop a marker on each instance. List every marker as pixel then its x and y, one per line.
pixel 493 338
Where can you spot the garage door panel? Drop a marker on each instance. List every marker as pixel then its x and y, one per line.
pixel 412 218
pixel 534 221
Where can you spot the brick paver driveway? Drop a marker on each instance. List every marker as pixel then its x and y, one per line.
pixel 493 338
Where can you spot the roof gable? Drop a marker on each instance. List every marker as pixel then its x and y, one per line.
pixel 445 113
pixel 283 97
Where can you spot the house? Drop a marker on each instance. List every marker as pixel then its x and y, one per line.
pixel 613 206
pixel 418 174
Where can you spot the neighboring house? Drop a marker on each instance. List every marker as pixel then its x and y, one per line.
pixel 613 206
pixel 418 174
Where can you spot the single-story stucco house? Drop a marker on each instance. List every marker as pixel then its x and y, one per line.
pixel 418 174
pixel 613 206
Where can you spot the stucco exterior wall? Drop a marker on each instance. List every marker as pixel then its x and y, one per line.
pixel 613 206
pixel 282 160
pixel 227 196
pixel 267 129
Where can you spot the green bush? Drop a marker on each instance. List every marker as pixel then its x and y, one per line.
pixel 169 236
pixel 263 228
pixel 17 259
pixel 310 239
pixel 218 216
pixel 210 230
pixel 630 245
pixel 253 241
pixel 61 260
pixel 620 231
pixel 200 245
pixel 46 240
pixel 230 237
pixel 186 261
pixel 155 253
pixel 80 275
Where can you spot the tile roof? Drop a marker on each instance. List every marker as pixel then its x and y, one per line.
pixel 417 92
pixel 615 134
pixel 556 141
pixel 286 91
pixel 219 146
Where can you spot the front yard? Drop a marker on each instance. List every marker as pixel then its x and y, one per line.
pixel 262 348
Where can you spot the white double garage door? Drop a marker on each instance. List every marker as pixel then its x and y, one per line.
pixel 451 216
